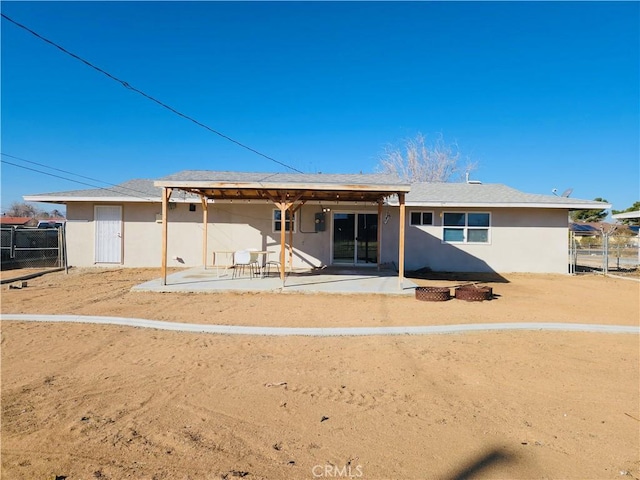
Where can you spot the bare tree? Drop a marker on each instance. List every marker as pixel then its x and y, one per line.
pixel 418 161
pixel 56 213
pixel 21 209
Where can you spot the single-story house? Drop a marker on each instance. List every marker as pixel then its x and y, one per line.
pixel 346 220
pixel 9 221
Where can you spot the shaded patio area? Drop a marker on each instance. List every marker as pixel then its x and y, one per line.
pixel 327 280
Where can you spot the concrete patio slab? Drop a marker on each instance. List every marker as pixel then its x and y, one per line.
pixel 338 281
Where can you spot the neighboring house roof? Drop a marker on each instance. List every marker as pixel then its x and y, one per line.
pixel 489 195
pixel 5 220
pixel 596 228
pixel 620 216
pixel 583 229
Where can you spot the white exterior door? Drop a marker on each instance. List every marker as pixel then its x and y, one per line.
pixel 108 219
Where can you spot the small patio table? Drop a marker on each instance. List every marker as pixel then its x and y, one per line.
pixel 265 258
pixel 228 254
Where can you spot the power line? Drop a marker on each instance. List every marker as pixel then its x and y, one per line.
pixel 71 173
pixel 146 197
pixel 149 97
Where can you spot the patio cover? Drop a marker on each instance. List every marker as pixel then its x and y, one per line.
pixel 288 192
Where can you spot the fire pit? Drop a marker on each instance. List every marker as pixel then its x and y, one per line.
pixel 472 293
pixel 433 294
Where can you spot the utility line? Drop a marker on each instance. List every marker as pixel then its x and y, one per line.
pixel 149 97
pixel 71 173
pixel 78 181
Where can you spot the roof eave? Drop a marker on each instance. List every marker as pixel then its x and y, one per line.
pixel 626 215
pixel 566 206
pixel 70 199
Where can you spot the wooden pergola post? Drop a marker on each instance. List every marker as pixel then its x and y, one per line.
pixel 205 220
pixel 291 213
pixel 401 242
pixel 292 210
pixel 166 195
pixel 285 204
pixel 283 216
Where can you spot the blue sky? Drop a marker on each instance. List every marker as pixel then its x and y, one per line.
pixel 541 95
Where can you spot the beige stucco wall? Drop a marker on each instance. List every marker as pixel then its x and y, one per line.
pixel 521 240
pixel 237 226
pixel 80 234
pixel 141 234
pixel 231 226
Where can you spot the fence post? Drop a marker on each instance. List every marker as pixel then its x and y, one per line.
pixel 605 253
pixel 59 247
pixel 13 243
pixel 573 254
pixel 63 229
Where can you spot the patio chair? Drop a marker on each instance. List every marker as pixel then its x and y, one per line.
pixel 254 255
pixel 266 270
pixel 242 259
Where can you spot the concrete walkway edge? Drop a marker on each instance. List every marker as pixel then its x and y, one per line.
pixel 319 331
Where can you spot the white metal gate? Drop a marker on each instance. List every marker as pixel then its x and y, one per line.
pixel 108 219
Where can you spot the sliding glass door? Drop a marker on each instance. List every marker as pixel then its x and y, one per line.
pixel 355 238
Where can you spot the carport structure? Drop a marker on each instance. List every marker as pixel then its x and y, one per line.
pixel 288 192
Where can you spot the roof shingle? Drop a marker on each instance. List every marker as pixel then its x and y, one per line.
pixel 484 194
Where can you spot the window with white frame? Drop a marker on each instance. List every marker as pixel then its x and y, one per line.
pixel 418 217
pixel 465 227
pixel 289 223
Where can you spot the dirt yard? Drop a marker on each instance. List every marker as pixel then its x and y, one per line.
pixel 109 402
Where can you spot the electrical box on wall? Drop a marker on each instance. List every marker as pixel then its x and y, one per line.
pixel 320 222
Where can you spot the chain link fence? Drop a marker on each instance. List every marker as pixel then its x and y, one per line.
pixel 604 253
pixel 22 247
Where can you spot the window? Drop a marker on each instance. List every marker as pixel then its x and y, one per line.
pixel 289 223
pixel 462 227
pixel 421 218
